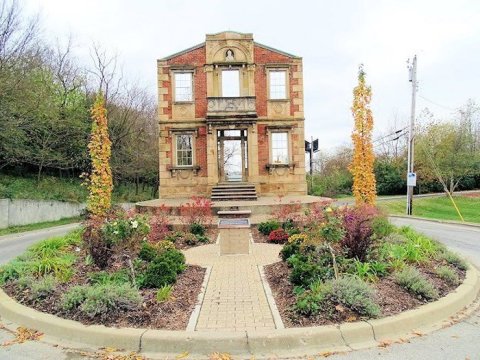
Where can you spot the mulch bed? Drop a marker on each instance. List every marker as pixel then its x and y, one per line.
pixel 171 315
pixel 258 237
pixel 391 298
pixel 212 234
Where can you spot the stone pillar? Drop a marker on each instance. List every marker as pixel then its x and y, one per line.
pixel 252 150
pixel 234 241
pixel 212 156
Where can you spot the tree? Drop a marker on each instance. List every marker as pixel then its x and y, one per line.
pixel 100 181
pixel 445 152
pixel 363 156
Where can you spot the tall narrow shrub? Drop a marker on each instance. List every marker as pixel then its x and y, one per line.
pixel 100 180
pixel 363 157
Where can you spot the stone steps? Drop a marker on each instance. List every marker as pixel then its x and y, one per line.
pixel 226 192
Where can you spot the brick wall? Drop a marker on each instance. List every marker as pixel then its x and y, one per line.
pixel 263 149
pixel 195 58
pixel 264 56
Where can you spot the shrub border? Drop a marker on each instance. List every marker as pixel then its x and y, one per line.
pixel 291 341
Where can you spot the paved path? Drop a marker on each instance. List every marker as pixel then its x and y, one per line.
pixel 234 299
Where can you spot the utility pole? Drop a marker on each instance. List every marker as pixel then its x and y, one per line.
pixel 411 178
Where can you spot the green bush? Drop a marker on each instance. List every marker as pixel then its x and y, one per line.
pixel 203 239
pixel 356 295
pixel 148 252
pixel 308 269
pixel 174 236
pixel 381 227
pixel 44 258
pixel 454 259
pixel 74 297
pixel 267 227
pixel 415 283
pixel 350 292
pixel 158 274
pixel 43 287
pixel 370 271
pixel 59 266
pixel 103 277
pixel 289 249
pixel 100 299
pixel 50 247
pixel 14 270
pixel 448 274
pixel 197 229
pixel 164 293
pixel 174 258
pixel 409 246
pixel 190 239
pixel 427 247
pixel 25 282
pixel 311 302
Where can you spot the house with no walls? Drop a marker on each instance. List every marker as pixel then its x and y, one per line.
pixel 231 121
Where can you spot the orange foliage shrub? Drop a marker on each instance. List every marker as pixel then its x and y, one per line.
pixel 364 187
pixel 99 182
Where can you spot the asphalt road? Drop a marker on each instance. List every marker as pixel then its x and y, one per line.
pixel 460 341
pixel 15 244
pixel 464 240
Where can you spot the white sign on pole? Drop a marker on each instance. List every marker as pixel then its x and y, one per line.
pixel 412 179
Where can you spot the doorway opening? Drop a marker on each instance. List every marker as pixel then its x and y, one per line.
pixel 232 155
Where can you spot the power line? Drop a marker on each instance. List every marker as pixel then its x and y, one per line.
pixel 435 103
pixel 391 134
pixel 390 140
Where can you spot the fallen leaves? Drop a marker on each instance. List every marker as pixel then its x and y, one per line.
pixel 326 354
pixel 182 355
pixel 23 334
pixel 220 356
pixel 385 343
pixel 110 353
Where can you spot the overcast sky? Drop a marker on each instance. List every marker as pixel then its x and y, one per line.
pixel 333 37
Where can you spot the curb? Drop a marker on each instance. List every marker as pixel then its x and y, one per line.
pixel 277 319
pixel 192 322
pixel 447 222
pixel 291 341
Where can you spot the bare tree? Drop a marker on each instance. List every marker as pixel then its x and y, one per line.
pixel 107 74
pixel 17 36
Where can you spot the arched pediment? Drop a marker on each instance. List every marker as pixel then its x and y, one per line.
pixel 230 54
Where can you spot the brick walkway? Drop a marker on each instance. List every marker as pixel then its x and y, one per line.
pixel 234 299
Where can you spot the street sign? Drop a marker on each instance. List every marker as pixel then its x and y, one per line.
pixel 315 145
pixel 412 179
pixel 307 146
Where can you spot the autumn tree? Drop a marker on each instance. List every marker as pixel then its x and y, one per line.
pixel 100 180
pixel 445 152
pixel 364 188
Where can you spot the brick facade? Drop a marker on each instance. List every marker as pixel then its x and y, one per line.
pixel 205 62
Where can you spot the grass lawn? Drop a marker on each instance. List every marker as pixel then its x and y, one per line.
pixel 37 226
pixel 62 189
pixel 439 207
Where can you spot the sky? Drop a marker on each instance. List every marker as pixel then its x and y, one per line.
pixel 333 37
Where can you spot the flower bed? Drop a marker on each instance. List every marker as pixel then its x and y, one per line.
pixel 348 264
pixel 122 270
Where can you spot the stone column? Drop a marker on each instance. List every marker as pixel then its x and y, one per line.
pixel 212 156
pixel 252 149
